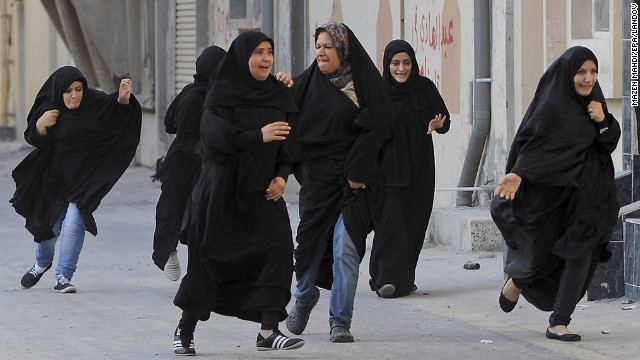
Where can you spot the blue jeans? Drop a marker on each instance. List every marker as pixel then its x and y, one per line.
pixel 72 226
pixel 346 264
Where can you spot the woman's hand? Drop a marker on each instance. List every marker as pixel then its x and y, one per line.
pixel 275 131
pixel 508 186
pixel 355 185
pixel 285 78
pixel 436 123
pixel 595 111
pixel 47 120
pixel 125 91
pixel 276 189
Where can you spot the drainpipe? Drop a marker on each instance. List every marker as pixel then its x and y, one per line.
pixel 481 99
pixel 267 17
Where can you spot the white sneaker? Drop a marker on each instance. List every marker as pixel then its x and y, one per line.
pixel 172 267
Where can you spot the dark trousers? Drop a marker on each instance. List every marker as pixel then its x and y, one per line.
pixel 560 290
pixel 188 321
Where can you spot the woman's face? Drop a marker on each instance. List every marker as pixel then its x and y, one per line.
pixel 586 77
pixel 73 95
pixel 326 54
pixel 400 67
pixel 261 61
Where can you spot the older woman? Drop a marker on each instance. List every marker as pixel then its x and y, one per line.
pixel 85 140
pixel 557 204
pixel 344 121
pixel 239 234
pixel 409 177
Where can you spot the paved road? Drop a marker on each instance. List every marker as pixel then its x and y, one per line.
pixel 123 308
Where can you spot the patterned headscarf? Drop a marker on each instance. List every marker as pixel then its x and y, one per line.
pixel 338 32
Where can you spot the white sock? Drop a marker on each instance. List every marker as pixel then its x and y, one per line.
pixel 39 269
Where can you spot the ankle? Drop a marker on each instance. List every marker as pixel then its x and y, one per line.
pixel 511 291
pixel 559 329
pixel 266 333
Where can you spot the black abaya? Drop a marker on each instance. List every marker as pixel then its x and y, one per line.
pixel 240 244
pixel 338 141
pixel 409 179
pixel 566 205
pixel 181 165
pixel 79 159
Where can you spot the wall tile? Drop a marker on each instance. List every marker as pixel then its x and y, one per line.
pixel 623 184
pixel 635 188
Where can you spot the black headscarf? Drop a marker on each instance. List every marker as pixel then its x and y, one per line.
pixel 80 159
pixel 233 85
pixel 205 66
pixel 414 84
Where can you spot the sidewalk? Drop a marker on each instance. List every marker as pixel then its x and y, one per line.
pixel 123 308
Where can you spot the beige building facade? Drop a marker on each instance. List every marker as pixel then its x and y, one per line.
pixel 30 50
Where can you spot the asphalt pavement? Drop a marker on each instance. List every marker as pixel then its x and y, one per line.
pixel 123 308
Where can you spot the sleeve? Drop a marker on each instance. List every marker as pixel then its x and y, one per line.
pixel 219 139
pixel 608 134
pixel 31 134
pixel 363 159
pixel 289 151
pixel 439 107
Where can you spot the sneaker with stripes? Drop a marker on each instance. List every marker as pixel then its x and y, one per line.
pixel 181 347
pixel 278 341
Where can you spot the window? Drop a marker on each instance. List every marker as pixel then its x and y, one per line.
pixel 600 17
pixel 589 19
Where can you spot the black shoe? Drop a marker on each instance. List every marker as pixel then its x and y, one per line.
pixel 183 343
pixel 299 315
pixel 64 286
pixel 277 341
pixel 32 277
pixel 340 334
pixel 563 337
pixel 505 304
